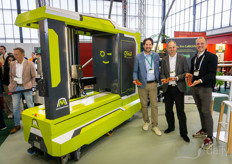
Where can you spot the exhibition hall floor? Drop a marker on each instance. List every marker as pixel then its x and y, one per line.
pixel 129 144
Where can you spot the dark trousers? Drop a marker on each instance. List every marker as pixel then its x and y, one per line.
pixel 2 123
pixel 203 97
pixel 174 95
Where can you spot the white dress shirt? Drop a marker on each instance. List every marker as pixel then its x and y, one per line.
pixel 148 62
pixel 5 56
pixel 19 72
pixel 199 55
pixel 172 65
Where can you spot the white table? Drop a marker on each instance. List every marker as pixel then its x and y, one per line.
pixel 224 65
pixel 225 62
pixel 229 79
pixel 224 134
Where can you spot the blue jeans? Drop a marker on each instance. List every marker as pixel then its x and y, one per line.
pixel 16 103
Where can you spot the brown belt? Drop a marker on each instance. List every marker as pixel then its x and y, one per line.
pixel 20 85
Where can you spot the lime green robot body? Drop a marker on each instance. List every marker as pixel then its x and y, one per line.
pixel 89 119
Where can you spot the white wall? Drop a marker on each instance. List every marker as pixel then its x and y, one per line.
pixel 28 47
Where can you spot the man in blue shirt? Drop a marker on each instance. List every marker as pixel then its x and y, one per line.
pixel 146 70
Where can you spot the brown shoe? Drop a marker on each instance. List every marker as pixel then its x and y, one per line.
pixel 15 129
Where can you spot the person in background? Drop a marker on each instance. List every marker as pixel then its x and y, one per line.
pixel 35 59
pixel 7 99
pixel 10 53
pixel 146 70
pixel 33 56
pixel 174 66
pixel 204 69
pixel 2 122
pixel 22 76
pixel 229 72
pixel 3 54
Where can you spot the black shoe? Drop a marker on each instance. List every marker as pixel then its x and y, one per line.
pixel 168 130
pixel 186 138
pixel 31 150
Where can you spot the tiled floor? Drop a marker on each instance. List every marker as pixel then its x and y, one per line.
pixel 129 144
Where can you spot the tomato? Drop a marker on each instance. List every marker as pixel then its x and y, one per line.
pixel 138 82
pixel 189 80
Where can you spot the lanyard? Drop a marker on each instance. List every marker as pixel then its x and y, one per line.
pixel 151 60
pixel 200 63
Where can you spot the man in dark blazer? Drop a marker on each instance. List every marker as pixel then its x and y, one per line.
pixel 174 66
pixel 204 69
pixel 146 70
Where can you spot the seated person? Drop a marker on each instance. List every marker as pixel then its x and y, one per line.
pixel 229 72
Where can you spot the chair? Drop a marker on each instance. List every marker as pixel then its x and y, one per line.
pixel 216 95
pixel 229 142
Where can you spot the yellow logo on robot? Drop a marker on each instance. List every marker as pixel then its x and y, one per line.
pixel 103 54
pixel 62 102
pixel 127 54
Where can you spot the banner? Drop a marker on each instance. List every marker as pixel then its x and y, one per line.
pixel 220 52
pixel 185 34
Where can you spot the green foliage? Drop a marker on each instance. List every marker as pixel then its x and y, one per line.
pixel 219 82
pixel 163 37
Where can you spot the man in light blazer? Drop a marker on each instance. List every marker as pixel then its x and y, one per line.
pixel 146 70
pixel 22 76
pixel 174 66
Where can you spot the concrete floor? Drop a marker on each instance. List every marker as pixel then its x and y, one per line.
pixel 129 144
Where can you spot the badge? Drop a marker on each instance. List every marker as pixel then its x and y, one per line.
pixel 17 79
pixel 196 73
pixel 151 71
pixel 172 74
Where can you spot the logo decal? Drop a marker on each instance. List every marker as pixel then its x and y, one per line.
pixel 35 123
pixel 62 103
pixel 104 55
pixel 127 54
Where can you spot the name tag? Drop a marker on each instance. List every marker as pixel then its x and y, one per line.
pixel 151 71
pixel 17 79
pixel 196 73
pixel 172 74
